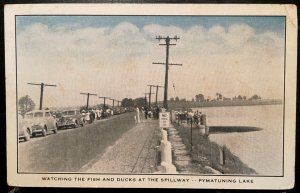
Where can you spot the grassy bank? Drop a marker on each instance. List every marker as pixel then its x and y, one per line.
pixel 207 153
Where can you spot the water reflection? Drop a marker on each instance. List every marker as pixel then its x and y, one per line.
pixel 232 129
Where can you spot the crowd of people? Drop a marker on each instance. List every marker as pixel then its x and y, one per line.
pixel 96 114
pixel 152 112
pixel 191 117
pixel 188 116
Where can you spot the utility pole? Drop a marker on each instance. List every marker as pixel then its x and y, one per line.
pixel 113 101
pixel 88 98
pixel 104 100
pixel 42 91
pixel 150 94
pixel 156 93
pixel 167 44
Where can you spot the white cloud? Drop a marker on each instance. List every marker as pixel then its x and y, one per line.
pixel 117 61
pixel 217 30
pixel 124 29
pixel 239 34
pixel 153 30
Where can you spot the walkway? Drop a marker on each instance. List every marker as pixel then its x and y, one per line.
pixel 134 152
pixel 181 156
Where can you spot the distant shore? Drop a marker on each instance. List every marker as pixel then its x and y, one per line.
pixel 191 104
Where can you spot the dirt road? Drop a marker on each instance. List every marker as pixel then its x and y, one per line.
pixel 134 152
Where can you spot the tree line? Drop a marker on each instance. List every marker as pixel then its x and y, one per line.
pixel 129 102
pixel 219 97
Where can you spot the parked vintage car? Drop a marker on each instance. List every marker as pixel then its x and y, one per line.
pixel 118 110
pixel 71 118
pixel 39 122
pixel 23 131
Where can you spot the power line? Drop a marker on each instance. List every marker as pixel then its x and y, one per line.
pixel 104 100
pixel 148 97
pixel 150 94
pixel 167 44
pixel 113 101
pixel 157 86
pixel 88 98
pixel 118 103
pixel 42 91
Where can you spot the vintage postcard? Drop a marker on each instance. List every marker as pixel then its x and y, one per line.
pixel 145 95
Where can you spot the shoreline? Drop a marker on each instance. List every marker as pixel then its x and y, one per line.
pixel 191 104
pixel 206 153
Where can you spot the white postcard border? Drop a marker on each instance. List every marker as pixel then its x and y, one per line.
pixel 259 182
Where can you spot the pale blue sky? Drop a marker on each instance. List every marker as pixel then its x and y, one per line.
pixel 259 23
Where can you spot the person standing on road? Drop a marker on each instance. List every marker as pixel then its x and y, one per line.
pixel 146 112
pixel 87 117
pixel 137 114
pixel 92 116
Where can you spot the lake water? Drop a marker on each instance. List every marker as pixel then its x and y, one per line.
pixel 260 150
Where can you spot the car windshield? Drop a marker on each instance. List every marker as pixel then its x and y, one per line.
pixel 58 115
pixel 71 112
pixel 47 114
pixel 68 113
pixel 29 116
pixel 38 114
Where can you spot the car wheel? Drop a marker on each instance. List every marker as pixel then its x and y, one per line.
pixel 27 135
pixel 81 122
pixel 75 124
pixel 44 131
